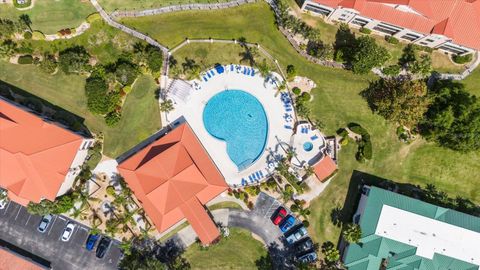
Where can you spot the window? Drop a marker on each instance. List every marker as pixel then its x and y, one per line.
pixel 430 40
pixel 318 10
pixel 410 37
pixel 360 22
pixel 387 28
pixel 453 49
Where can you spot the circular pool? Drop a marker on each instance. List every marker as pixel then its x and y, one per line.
pixel 308 146
pixel 237 118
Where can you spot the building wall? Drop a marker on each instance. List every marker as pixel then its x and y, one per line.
pixel 75 168
pixel 354 19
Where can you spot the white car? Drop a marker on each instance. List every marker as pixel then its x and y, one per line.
pixel 68 231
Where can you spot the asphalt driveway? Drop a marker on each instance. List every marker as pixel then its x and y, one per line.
pixel 19 228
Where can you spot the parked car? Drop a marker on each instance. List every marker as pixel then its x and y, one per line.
pixel 102 247
pixel 308 258
pixel 278 215
pixel 68 231
pixel 295 234
pixel 91 241
pixel 304 245
pixel 42 227
pixel 287 223
pixel 3 203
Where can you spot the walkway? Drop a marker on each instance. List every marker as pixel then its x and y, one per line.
pixel 78 31
pixel 168 9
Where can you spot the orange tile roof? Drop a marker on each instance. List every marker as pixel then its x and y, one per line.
pixel 9 261
pixel 456 19
pixel 173 177
pixel 324 168
pixel 34 155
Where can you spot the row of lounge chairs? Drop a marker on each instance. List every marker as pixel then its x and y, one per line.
pixel 209 74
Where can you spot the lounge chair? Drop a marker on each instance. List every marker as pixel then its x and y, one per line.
pixel 253 72
pixel 244 182
pixel 231 67
pixel 288 109
pixel 254 177
pixel 250 177
pixel 205 79
pixel 208 74
pixel 261 174
pixel 314 137
pixel 288 127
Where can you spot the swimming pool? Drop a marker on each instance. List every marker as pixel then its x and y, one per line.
pixel 239 119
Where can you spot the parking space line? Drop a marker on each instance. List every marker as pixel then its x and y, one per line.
pixel 8 206
pixel 19 209
pixel 29 216
pixel 62 218
pixel 51 226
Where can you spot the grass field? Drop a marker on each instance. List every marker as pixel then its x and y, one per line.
pixel 140 119
pixel 111 5
pixel 336 101
pixel 239 251
pixel 472 82
pixel 49 16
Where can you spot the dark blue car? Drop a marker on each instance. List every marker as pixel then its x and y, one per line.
pixel 91 240
pixel 287 223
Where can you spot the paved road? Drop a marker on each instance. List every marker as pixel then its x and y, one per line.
pixel 19 228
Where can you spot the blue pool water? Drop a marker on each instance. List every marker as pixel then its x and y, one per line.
pixel 239 119
pixel 307 146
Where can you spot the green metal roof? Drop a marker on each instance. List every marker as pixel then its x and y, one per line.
pixel 372 249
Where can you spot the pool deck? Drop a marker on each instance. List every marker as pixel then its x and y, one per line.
pixel 303 134
pixel 192 110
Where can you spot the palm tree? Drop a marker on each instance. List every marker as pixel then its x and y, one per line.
pixel 352 233
pixel 264 68
pixel 166 106
pixel 25 19
pixel 332 255
pixel 8 48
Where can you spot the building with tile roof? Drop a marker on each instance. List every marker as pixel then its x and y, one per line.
pixel 399 232
pixel 173 178
pixel 449 25
pixel 325 168
pixel 39 159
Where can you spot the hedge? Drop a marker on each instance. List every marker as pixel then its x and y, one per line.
pixel 354 127
pixel 391 40
pixel 365 30
pixel 462 59
pixel 25 59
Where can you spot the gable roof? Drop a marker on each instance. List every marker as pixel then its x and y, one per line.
pixel 456 19
pixel 373 247
pixel 173 177
pixel 35 155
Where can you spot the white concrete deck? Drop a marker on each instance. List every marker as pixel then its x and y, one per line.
pixel 192 111
pixel 303 134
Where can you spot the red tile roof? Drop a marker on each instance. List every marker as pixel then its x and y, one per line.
pixel 325 168
pixel 456 19
pixel 9 261
pixel 173 177
pixel 35 155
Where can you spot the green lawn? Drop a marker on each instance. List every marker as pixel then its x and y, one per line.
pixel 336 101
pixel 49 16
pixel 105 42
pixel 111 5
pixel 472 82
pixel 239 251
pixel 140 116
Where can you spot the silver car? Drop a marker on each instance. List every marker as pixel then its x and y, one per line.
pixel 42 227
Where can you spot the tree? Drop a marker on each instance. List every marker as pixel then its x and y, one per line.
pixel 98 101
pixel 264 68
pixel 126 72
pixel 7 28
pixel 352 233
pixel 422 66
pixel 25 20
pixel 367 55
pixel 74 60
pixel 45 207
pixel 332 255
pixel 291 72
pixel 453 118
pixel 409 56
pixel 166 106
pixel 48 64
pixel 398 99
pixel 112 118
pixel 264 263
pixel 154 58
pixel 7 48
pixel 320 50
pixel 135 260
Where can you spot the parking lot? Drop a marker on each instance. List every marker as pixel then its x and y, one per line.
pixel 19 228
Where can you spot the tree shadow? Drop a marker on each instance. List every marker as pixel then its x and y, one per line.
pixel 43 108
pixel 344 44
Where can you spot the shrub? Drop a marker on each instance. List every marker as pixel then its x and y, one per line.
pixel 25 59
pixel 391 40
pixel 49 64
pixel 354 127
pixel 367 149
pixel 127 89
pixel 26 4
pixel 110 190
pixel 306 223
pixel 365 30
pixel 93 17
pixel 392 70
pixel 304 97
pixel 112 118
pixel 74 59
pixel 462 59
pixel 291 72
pixel 126 72
pixel 27 35
pixel 37 35
pixel 342 132
pixel 296 91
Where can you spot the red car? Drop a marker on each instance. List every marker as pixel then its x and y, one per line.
pixel 279 215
